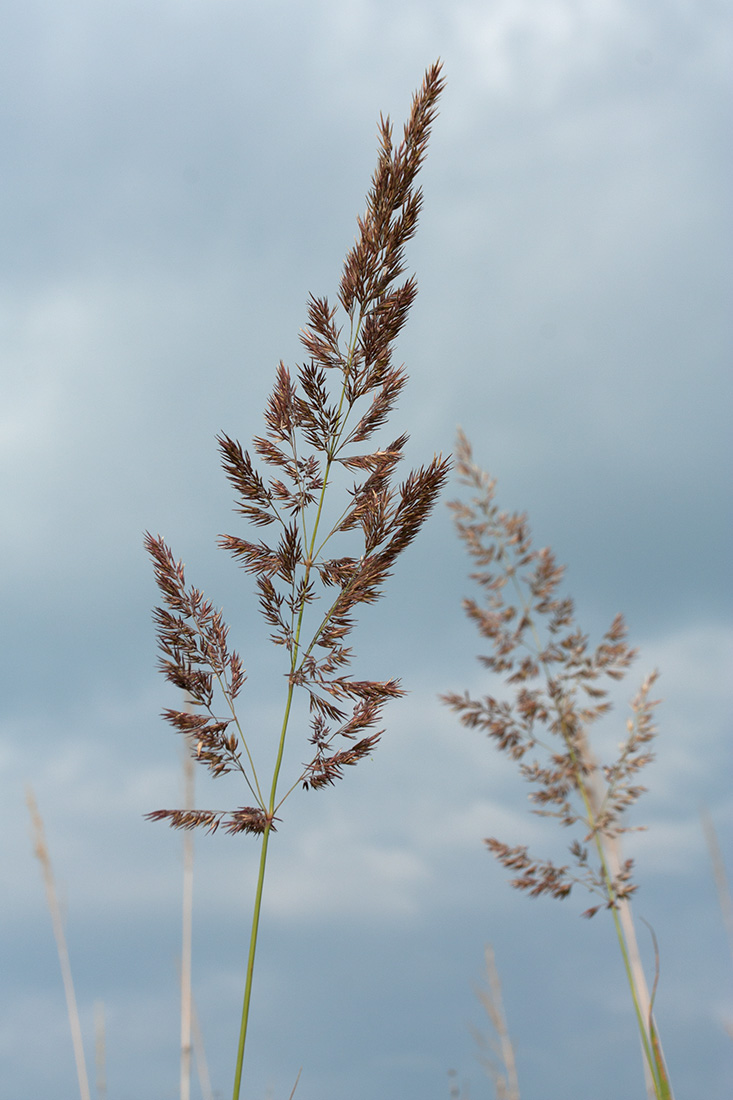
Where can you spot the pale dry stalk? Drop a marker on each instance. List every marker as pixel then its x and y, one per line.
pixel 202 1066
pixel 721 885
pixel 719 875
pixel 506 1083
pixel 41 851
pixel 612 848
pixel 100 1055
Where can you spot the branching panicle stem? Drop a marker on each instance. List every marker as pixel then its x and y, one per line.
pixel 545 658
pixel 339 398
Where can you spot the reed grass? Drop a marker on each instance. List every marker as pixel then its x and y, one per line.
pixel 315 572
pixel 546 728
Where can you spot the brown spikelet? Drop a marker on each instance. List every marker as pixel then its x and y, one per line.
pixel 248 819
pixel 314 565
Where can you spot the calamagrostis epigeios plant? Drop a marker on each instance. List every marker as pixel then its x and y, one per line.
pixel 546 727
pixel 317 423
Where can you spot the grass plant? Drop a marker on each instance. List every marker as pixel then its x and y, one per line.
pixel 324 560
pixel 546 726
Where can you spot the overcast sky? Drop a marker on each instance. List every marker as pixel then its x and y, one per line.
pixel 177 176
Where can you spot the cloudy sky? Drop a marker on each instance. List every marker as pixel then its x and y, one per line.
pixel 177 176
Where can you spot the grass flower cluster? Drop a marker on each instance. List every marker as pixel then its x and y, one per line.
pixel 321 423
pixel 558 695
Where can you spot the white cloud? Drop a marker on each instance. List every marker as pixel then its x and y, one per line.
pixel 332 871
pixel 507 41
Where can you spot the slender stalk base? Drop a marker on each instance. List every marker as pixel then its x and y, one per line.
pixel 251 964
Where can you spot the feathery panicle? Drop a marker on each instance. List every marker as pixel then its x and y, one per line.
pixel 337 399
pixel 558 696
pixel 313 565
pixel 558 679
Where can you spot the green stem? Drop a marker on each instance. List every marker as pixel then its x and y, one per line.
pixel 258 902
pixel 250 965
pixel 643 1026
pixel 281 746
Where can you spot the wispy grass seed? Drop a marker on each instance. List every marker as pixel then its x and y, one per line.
pixel 558 696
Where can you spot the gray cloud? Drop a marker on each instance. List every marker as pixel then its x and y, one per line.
pixel 176 178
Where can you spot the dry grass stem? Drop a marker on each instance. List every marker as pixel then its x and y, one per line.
pixel 199 1051
pixel 292 1091
pixel 202 1065
pixel 719 875
pixel 41 851
pixel 558 696
pixel 100 1056
pixel 504 1072
pixel 721 885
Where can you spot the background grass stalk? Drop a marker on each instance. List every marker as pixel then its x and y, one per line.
pixel 719 874
pixel 607 850
pixel 100 1057
pixel 555 682
pixel 506 1084
pixel 41 850
pixel 202 1066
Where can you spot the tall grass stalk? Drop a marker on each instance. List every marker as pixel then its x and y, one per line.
pixel 719 875
pixel 202 1066
pixel 721 885
pixel 545 659
pixel 316 423
pixel 187 921
pixel 502 1067
pixel 100 1054
pixel 41 851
